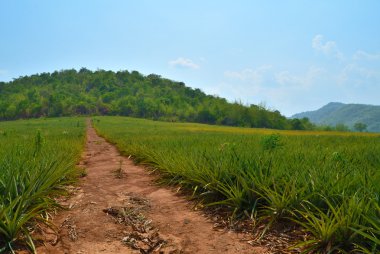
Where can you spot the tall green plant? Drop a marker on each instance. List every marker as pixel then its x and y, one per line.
pixel 33 170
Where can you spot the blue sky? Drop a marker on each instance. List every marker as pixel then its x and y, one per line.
pixel 291 56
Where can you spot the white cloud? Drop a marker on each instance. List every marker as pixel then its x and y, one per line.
pixel 281 90
pixel 285 78
pixel 328 47
pixel 253 75
pixel 360 54
pixel 3 72
pixel 184 63
pixel 356 75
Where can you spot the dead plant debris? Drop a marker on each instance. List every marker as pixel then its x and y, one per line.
pixel 140 234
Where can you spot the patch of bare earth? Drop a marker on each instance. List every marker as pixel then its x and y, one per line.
pixel 117 208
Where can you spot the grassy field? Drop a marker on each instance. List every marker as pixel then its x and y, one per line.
pixel 326 182
pixel 37 158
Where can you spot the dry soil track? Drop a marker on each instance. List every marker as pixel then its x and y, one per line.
pixel 111 205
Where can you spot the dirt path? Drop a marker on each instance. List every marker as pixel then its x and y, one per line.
pixel 119 209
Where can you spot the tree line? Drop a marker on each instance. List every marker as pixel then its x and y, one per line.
pixel 124 93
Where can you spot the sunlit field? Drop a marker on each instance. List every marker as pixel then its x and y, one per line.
pixel 37 158
pixel 326 182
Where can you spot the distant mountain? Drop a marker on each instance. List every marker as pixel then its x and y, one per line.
pixel 348 114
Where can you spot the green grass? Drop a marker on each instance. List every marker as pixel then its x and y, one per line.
pixel 326 182
pixel 37 158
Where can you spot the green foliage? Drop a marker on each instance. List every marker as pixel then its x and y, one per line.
pixel 270 142
pixel 326 182
pixel 38 141
pixel 37 158
pixel 370 231
pixel 333 229
pixel 360 126
pixel 341 127
pixel 69 92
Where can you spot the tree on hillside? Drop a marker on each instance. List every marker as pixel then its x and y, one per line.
pixel 341 127
pixel 297 124
pixel 360 126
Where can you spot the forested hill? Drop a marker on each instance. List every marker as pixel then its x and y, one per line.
pixel 347 114
pixel 85 92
